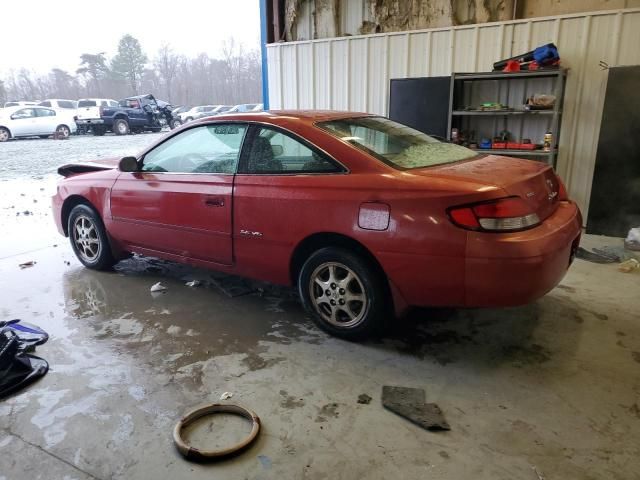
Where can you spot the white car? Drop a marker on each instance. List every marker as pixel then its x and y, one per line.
pixel 88 114
pixel 246 107
pixel 18 104
pixel 197 112
pixel 60 104
pixel 34 121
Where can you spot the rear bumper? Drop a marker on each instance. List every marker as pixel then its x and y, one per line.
pixel 518 268
pixel 90 121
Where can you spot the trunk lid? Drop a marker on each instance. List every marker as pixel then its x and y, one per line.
pixel 534 182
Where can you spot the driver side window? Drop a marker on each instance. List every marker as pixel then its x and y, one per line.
pixel 204 149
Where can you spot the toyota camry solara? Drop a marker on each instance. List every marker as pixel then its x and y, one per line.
pixel 365 216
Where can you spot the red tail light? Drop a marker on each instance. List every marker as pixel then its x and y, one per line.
pixel 501 215
pixel 562 191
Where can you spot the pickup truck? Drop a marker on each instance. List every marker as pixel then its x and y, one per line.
pixel 88 114
pixel 138 114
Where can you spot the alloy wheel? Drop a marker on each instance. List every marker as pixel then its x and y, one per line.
pixel 63 131
pixel 338 294
pixel 4 135
pixel 86 239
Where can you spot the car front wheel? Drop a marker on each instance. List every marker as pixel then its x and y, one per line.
pixel 89 238
pixel 63 131
pixel 344 293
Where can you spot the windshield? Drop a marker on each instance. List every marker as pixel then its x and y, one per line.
pixel 395 144
pixel 87 103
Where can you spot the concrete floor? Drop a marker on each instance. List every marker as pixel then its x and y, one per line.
pixel 549 390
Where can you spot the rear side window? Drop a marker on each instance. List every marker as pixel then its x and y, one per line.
pixel 43 112
pixel 24 113
pixel 45 104
pixel 87 103
pixel 11 104
pixel 272 152
pixel 66 104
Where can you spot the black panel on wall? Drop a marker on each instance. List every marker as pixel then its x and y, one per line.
pixel 421 103
pixel 615 193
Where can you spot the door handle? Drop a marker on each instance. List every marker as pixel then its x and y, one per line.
pixel 214 202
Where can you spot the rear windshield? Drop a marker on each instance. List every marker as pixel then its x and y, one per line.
pixel 87 103
pixel 395 144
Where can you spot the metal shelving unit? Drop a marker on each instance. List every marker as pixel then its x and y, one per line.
pixel 512 89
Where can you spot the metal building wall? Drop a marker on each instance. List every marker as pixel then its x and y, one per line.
pixel 353 73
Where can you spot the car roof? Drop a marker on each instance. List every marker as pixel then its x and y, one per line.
pixel 279 116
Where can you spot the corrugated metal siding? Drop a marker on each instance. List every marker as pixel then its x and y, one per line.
pixel 353 73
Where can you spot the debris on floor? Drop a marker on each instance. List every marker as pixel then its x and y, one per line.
pixel 364 399
pixel 629 266
pixel 410 403
pixel 632 242
pixel 18 368
pixel 594 257
pixel 201 454
pixel 28 264
pixel 158 287
pixel 226 396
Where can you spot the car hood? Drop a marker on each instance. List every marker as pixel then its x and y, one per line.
pixel 71 169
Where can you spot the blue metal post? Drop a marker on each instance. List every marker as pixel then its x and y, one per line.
pixel 263 49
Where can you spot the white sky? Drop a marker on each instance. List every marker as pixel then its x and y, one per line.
pixel 42 34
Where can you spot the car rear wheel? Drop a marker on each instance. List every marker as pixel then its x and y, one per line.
pixel 4 134
pixel 175 123
pixel 188 119
pixel 344 293
pixel 121 127
pixel 89 239
pixel 63 131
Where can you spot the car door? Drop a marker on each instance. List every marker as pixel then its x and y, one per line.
pixel 46 121
pixel 23 122
pixel 180 203
pixel 276 200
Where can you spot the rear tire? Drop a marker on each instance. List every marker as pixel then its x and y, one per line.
pixel 89 239
pixel 5 135
pixel 175 123
pixel 62 131
pixel 121 127
pixel 98 131
pixel 346 295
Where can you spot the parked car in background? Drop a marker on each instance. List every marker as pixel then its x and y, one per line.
pixel 18 104
pixel 34 121
pixel 181 109
pixel 219 110
pixel 365 216
pixel 88 114
pixel 246 108
pixel 137 114
pixel 195 112
pixel 59 104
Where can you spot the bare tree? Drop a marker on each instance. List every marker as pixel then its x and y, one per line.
pixel 166 64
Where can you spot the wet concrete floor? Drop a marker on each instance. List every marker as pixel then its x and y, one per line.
pixel 549 390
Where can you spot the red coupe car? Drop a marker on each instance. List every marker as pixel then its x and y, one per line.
pixel 364 215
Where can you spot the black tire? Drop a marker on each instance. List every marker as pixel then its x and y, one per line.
pixel 121 127
pixel 188 119
pixel 5 134
pixel 98 131
pixel 62 131
pixel 89 239
pixel 175 123
pixel 353 319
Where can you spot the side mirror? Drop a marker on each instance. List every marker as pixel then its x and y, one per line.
pixel 128 164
